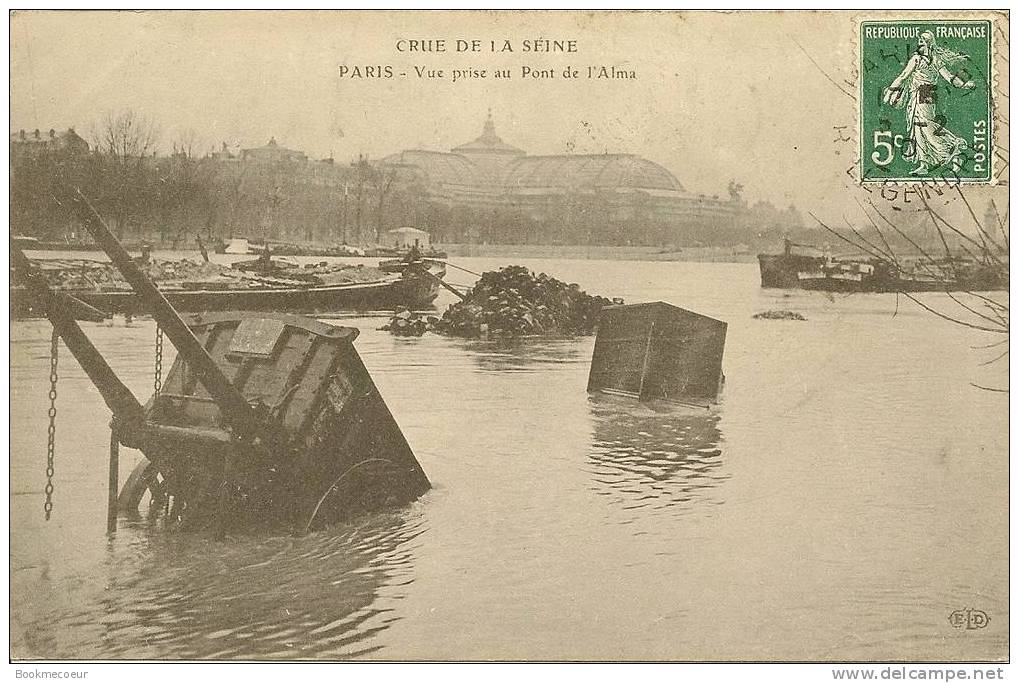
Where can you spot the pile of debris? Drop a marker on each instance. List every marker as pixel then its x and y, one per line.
pixel 180 270
pixel 407 323
pixel 78 274
pixel 321 273
pixel 513 301
pixel 778 315
pixel 68 274
pixel 333 274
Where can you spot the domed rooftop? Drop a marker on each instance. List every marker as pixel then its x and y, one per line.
pixel 439 167
pixel 467 166
pixel 602 171
pixel 488 143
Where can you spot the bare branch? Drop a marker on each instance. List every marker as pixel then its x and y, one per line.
pixel 981 229
pixel 995 360
pixel 1001 223
pixel 823 72
pixel 958 232
pixel 877 249
pixel 951 319
pixel 991 345
pixel 1002 325
pixel 1002 316
pixel 1003 391
pixel 880 234
pixel 839 235
pixel 982 316
pixel 904 236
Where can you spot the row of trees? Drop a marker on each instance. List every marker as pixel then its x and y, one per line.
pixel 122 176
pixel 171 198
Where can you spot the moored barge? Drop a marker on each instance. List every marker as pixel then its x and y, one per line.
pixel 410 289
pixel 806 267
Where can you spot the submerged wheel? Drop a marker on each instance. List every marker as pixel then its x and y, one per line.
pixel 145 490
pixel 360 488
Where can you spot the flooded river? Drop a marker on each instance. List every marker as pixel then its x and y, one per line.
pixel 846 496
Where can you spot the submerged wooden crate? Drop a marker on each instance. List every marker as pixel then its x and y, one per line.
pixel 658 351
pixel 337 448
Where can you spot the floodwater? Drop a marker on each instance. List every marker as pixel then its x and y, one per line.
pixel 847 495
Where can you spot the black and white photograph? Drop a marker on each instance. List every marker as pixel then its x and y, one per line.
pixel 510 336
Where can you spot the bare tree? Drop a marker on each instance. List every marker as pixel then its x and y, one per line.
pixel 122 145
pixel 233 192
pixel 186 187
pixel 279 194
pixel 362 174
pixel 383 182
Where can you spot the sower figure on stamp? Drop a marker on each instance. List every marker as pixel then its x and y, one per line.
pixel 931 144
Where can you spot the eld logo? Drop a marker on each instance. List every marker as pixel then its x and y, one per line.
pixel 969 619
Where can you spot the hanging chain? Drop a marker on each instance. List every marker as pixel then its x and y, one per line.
pixel 51 432
pixel 157 385
pixel 157 382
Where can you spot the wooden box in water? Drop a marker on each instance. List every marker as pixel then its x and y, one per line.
pixel 335 447
pixel 658 351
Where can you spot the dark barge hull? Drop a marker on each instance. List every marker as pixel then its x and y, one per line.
pixel 372 296
pixel 780 270
pixel 875 286
pixel 794 271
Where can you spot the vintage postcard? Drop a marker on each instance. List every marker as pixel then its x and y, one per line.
pixel 634 336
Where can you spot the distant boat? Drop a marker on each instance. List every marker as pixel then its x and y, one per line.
pixel 810 268
pixel 401 252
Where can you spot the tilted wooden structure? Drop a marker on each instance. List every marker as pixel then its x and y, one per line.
pixel 264 419
pixel 658 351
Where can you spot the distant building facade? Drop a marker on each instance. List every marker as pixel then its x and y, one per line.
pixel 273 153
pixel 273 160
pixel 275 191
pixel 601 189
pixel 35 143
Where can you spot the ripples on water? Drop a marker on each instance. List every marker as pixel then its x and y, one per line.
pixel 647 458
pixel 849 491
pixel 189 597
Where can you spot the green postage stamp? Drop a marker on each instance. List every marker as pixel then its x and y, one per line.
pixel 925 101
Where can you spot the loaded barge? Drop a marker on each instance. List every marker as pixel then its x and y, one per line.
pixel 294 289
pixel 802 266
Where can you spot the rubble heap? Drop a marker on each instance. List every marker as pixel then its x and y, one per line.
pixel 514 301
pixel 333 274
pixel 178 270
pixel 79 274
pixel 778 315
pixel 407 323
pixel 102 276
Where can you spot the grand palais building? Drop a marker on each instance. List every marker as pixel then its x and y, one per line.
pixel 488 173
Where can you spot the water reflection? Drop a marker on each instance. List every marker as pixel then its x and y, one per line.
pixel 526 354
pixel 655 456
pixel 162 595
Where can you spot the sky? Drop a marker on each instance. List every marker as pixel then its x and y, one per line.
pixel 717 96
